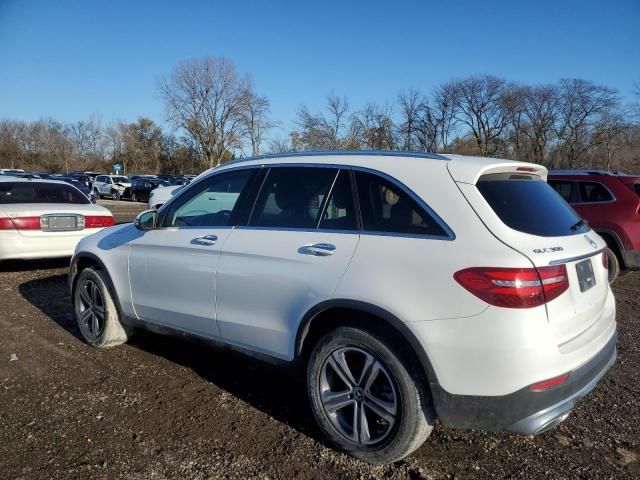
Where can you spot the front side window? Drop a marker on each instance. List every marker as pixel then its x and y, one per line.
pixel 592 192
pixel 385 207
pixel 340 211
pixel 292 197
pixel 210 203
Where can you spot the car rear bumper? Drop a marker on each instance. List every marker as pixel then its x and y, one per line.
pixel 13 245
pixel 525 411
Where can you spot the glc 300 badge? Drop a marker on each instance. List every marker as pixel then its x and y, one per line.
pixel 548 250
pixel 590 241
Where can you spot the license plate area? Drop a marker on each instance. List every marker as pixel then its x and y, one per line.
pixel 61 223
pixel 586 278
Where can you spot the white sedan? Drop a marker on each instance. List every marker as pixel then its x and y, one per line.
pixel 45 218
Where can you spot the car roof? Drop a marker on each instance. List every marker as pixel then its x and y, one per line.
pixel 462 167
pixel 31 180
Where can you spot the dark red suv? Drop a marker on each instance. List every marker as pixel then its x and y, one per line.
pixel 611 204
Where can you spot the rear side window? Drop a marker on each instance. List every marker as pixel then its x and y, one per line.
pixel 385 207
pixel 531 206
pixel 566 189
pixel 292 197
pixel 34 192
pixel 592 192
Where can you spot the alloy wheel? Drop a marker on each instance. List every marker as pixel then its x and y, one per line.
pixel 91 309
pixel 358 395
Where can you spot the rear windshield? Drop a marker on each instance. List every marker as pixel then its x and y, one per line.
pixel 531 206
pixel 39 192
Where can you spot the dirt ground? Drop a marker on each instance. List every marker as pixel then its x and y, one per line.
pixel 161 408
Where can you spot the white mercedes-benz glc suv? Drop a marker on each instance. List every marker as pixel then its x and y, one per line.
pixel 409 287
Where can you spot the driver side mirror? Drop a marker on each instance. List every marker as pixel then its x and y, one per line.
pixel 146 220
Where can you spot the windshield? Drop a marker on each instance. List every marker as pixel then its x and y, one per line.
pixel 531 206
pixel 39 192
pixel 120 179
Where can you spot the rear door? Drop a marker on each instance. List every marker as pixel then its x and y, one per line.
pixel 290 256
pixel 527 214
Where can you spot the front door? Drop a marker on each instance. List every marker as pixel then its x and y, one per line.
pixel 172 268
pixel 291 255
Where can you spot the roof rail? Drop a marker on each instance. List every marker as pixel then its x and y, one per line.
pixel 319 153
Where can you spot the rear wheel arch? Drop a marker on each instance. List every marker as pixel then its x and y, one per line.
pixel 334 313
pixel 613 242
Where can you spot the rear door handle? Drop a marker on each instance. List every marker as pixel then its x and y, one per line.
pixel 318 249
pixel 205 240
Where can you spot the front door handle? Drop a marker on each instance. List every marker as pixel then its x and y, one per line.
pixel 205 240
pixel 318 249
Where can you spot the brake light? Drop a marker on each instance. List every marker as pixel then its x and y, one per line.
pixel 526 169
pixel 515 287
pixel 98 221
pixel 20 223
pixel 605 260
pixel 552 382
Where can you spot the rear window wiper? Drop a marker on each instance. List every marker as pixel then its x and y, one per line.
pixel 578 224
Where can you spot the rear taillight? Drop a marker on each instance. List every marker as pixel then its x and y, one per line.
pixel 20 223
pixel 552 382
pixel 515 287
pixel 605 260
pixel 98 221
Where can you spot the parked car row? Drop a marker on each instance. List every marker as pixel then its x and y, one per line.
pixel 407 290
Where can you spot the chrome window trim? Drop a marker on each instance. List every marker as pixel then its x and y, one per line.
pixel 577 258
pixel 449 234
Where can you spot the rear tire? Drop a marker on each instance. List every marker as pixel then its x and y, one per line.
pixel 134 198
pixel 96 312
pixel 614 265
pixel 367 397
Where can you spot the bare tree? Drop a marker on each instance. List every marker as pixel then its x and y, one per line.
pixel 540 113
pixel 482 107
pixel 255 120
pixel 373 128
pixel 582 104
pixel 208 98
pixel 411 104
pixel 325 132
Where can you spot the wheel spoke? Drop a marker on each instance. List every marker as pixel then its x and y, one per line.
pixel 85 316
pixel 95 325
pixel 334 401
pixel 369 373
pixel 85 296
pixel 99 311
pixel 385 410
pixel 363 432
pixel 339 364
pixel 94 293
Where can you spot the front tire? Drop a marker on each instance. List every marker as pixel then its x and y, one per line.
pixel 115 195
pixel 96 192
pixel 96 312
pixel 367 397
